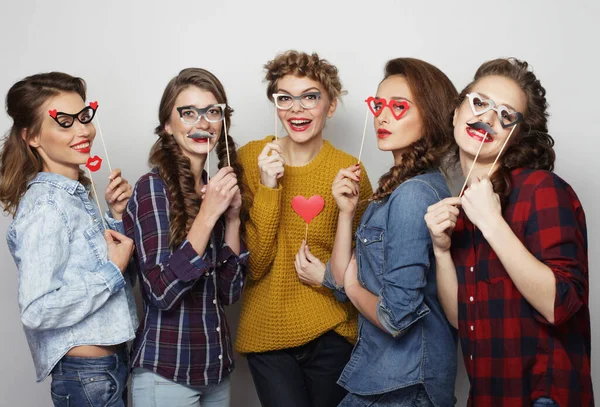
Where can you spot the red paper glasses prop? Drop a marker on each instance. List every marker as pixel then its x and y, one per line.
pixel 397 107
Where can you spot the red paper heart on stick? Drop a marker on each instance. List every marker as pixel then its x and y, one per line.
pixel 308 208
pixel 94 105
pixel 52 113
pixel 94 163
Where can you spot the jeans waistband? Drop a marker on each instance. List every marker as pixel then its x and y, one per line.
pixel 110 362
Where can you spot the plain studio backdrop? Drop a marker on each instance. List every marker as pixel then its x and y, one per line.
pixel 127 51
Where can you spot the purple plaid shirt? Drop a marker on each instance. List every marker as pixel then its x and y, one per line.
pixel 183 335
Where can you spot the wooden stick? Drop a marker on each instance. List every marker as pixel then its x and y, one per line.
pixel 363 137
pixel 226 143
pixel 501 150
pixel 103 143
pixel 472 165
pixel 97 201
pixel 276 121
pixel 207 166
pixel 306 234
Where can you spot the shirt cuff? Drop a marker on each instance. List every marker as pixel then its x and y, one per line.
pixel 388 320
pixel 270 196
pixel 228 261
pixel 113 224
pixel 227 255
pixel 112 276
pixel 329 282
pixel 186 264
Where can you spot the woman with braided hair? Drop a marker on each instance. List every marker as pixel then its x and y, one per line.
pixel 406 353
pixel 189 249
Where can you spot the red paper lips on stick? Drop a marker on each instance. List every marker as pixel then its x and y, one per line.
pixel 94 163
pixel 308 209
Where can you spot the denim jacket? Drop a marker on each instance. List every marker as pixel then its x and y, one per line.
pixel 396 263
pixel 70 294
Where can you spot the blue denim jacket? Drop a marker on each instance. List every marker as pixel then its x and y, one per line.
pixel 396 263
pixel 70 294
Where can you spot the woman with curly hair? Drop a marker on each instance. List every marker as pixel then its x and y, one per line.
pixel 296 336
pixel 512 252
pixel 188 237
pixel 406 353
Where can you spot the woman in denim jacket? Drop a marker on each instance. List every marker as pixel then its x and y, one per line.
pixel 406 350
pixel 76 305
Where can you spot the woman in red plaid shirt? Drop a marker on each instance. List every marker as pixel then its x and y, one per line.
pixel 511 253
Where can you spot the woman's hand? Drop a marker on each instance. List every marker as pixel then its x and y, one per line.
pixel 218 194
pixel 441 221
pixel 117 194
pixel 271 165
pixel 482 205
pixel 310 270
pixel 345 189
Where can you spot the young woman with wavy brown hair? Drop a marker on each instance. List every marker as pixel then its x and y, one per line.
pixel 73 275
pixel 406 353
pixel 192 261
pixel 296 336
pixel 512 251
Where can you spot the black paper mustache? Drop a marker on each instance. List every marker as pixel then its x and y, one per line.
pixel 482 126
pixel 200 135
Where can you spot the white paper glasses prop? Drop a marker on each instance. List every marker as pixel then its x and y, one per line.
pixel 507 117
pixel 191 115
pixel 285 101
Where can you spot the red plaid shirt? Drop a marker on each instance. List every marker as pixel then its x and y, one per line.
pixel 512 354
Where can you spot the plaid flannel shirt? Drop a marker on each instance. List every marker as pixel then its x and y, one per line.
pixel 183 335
pixel 512 354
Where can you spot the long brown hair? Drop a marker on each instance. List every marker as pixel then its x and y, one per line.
pixel 19 162
pixel 174 167
pixel 531 146
pixel 434 95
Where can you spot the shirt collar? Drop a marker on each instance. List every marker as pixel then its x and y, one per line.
pixel 58 181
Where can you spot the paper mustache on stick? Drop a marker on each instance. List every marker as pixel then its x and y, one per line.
pixel 199 135
pixel 482 126
pixel 488 130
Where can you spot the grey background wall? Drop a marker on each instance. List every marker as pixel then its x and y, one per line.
pixel 128 50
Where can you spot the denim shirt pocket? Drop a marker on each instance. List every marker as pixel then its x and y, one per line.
pixel 95 238
pixel 371 244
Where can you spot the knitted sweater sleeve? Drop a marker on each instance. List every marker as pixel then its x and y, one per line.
pixel 264 213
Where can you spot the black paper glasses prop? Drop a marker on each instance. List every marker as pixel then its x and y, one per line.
pixel 66 120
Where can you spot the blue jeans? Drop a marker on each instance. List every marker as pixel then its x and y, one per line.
pixel 91 382
pixel 412 396
pixel 544 402
pixel 152 390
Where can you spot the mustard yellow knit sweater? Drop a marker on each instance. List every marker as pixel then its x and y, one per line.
pixel 278 311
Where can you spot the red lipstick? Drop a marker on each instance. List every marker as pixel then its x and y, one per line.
pixel 383 133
